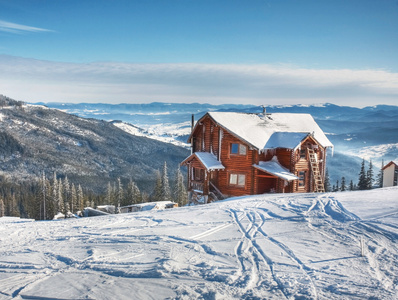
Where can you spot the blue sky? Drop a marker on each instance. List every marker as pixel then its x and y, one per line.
pixel 269 51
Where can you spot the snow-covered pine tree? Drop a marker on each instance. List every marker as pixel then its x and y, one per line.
pixel 362 181
pixel 327 181
pixel 66 190
pixel 61 202
pixel 109 194
pixel 2 208
pixel 379 179
pixel 343 184
pixel 180 192
pixel 369 176
pixel 119 195
pixel 54 193
pixel 166 193
pixel 157 192
pixel 14 206
pixel 43 196
pixel 80 197
pixel 73 196
pixel 49 201
pixel 134 193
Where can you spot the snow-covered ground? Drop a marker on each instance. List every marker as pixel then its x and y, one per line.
pixel 282 246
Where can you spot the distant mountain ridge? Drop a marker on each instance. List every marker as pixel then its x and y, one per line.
pixel 89 151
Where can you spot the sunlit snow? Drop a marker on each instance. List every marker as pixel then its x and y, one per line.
pixel 280 246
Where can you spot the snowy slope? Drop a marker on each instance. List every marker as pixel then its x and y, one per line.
pixel 282 246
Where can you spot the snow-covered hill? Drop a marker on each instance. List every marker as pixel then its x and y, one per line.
pixel 282 246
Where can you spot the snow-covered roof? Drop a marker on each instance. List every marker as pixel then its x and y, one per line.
pixel 274 167
pixel 208 160
pixel 151 205
pixel 288 140
pixel 257 129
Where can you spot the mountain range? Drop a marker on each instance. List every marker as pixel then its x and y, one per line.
pixel 370 132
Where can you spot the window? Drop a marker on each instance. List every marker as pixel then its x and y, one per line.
pixel 237 179
pixel 303 153
pixel 238 149
pixel 301 179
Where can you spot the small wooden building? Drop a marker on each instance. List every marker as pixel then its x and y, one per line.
pixel 235 154
pixel 390 174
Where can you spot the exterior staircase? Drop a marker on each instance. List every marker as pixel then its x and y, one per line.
pixel 319 186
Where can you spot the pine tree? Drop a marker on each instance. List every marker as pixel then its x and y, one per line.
pixel 61 202
pixel 73 196
pixel 351 185
pixel 55 194
pixel 343 184
pixel 180 192
pixel 369 176
pixel 157 192
pixel 362 181
pixel 2 208
pixel 109 194
pixel 379 179
pixel 166 193
pixel 337 186
pixel 80 197
pixel 119 196
pixel 66 190
pixel 327 182
pixel 134 193
pixel 49 202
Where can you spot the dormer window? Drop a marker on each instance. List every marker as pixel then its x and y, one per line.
pixel 238 149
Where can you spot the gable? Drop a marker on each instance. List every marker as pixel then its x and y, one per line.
pixel 391 163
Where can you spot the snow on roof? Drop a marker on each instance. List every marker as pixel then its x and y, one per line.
pixel 289 140
pixel 209 161
pixel 274 167
pixel 257 129
pixel 151 205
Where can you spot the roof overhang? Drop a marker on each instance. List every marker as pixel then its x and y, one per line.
pixel 274 168
pixel 208 160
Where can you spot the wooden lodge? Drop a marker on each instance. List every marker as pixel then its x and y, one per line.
pixel 236 154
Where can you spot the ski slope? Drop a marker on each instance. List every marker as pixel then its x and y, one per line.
pixel 281 246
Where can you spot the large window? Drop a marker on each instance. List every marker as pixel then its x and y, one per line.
pixel 238 149
pixel 237 179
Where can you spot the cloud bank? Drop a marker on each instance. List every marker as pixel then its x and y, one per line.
pixel 18 28
pixel 34 80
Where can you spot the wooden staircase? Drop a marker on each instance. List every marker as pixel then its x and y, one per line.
pixel 319 186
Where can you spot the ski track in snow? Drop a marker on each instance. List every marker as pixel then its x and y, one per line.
pixel 273 246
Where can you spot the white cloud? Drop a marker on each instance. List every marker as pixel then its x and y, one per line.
pixel 18 28
pixel 34 80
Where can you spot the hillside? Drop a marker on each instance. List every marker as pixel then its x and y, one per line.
pixel 89 151
pixel 281 246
